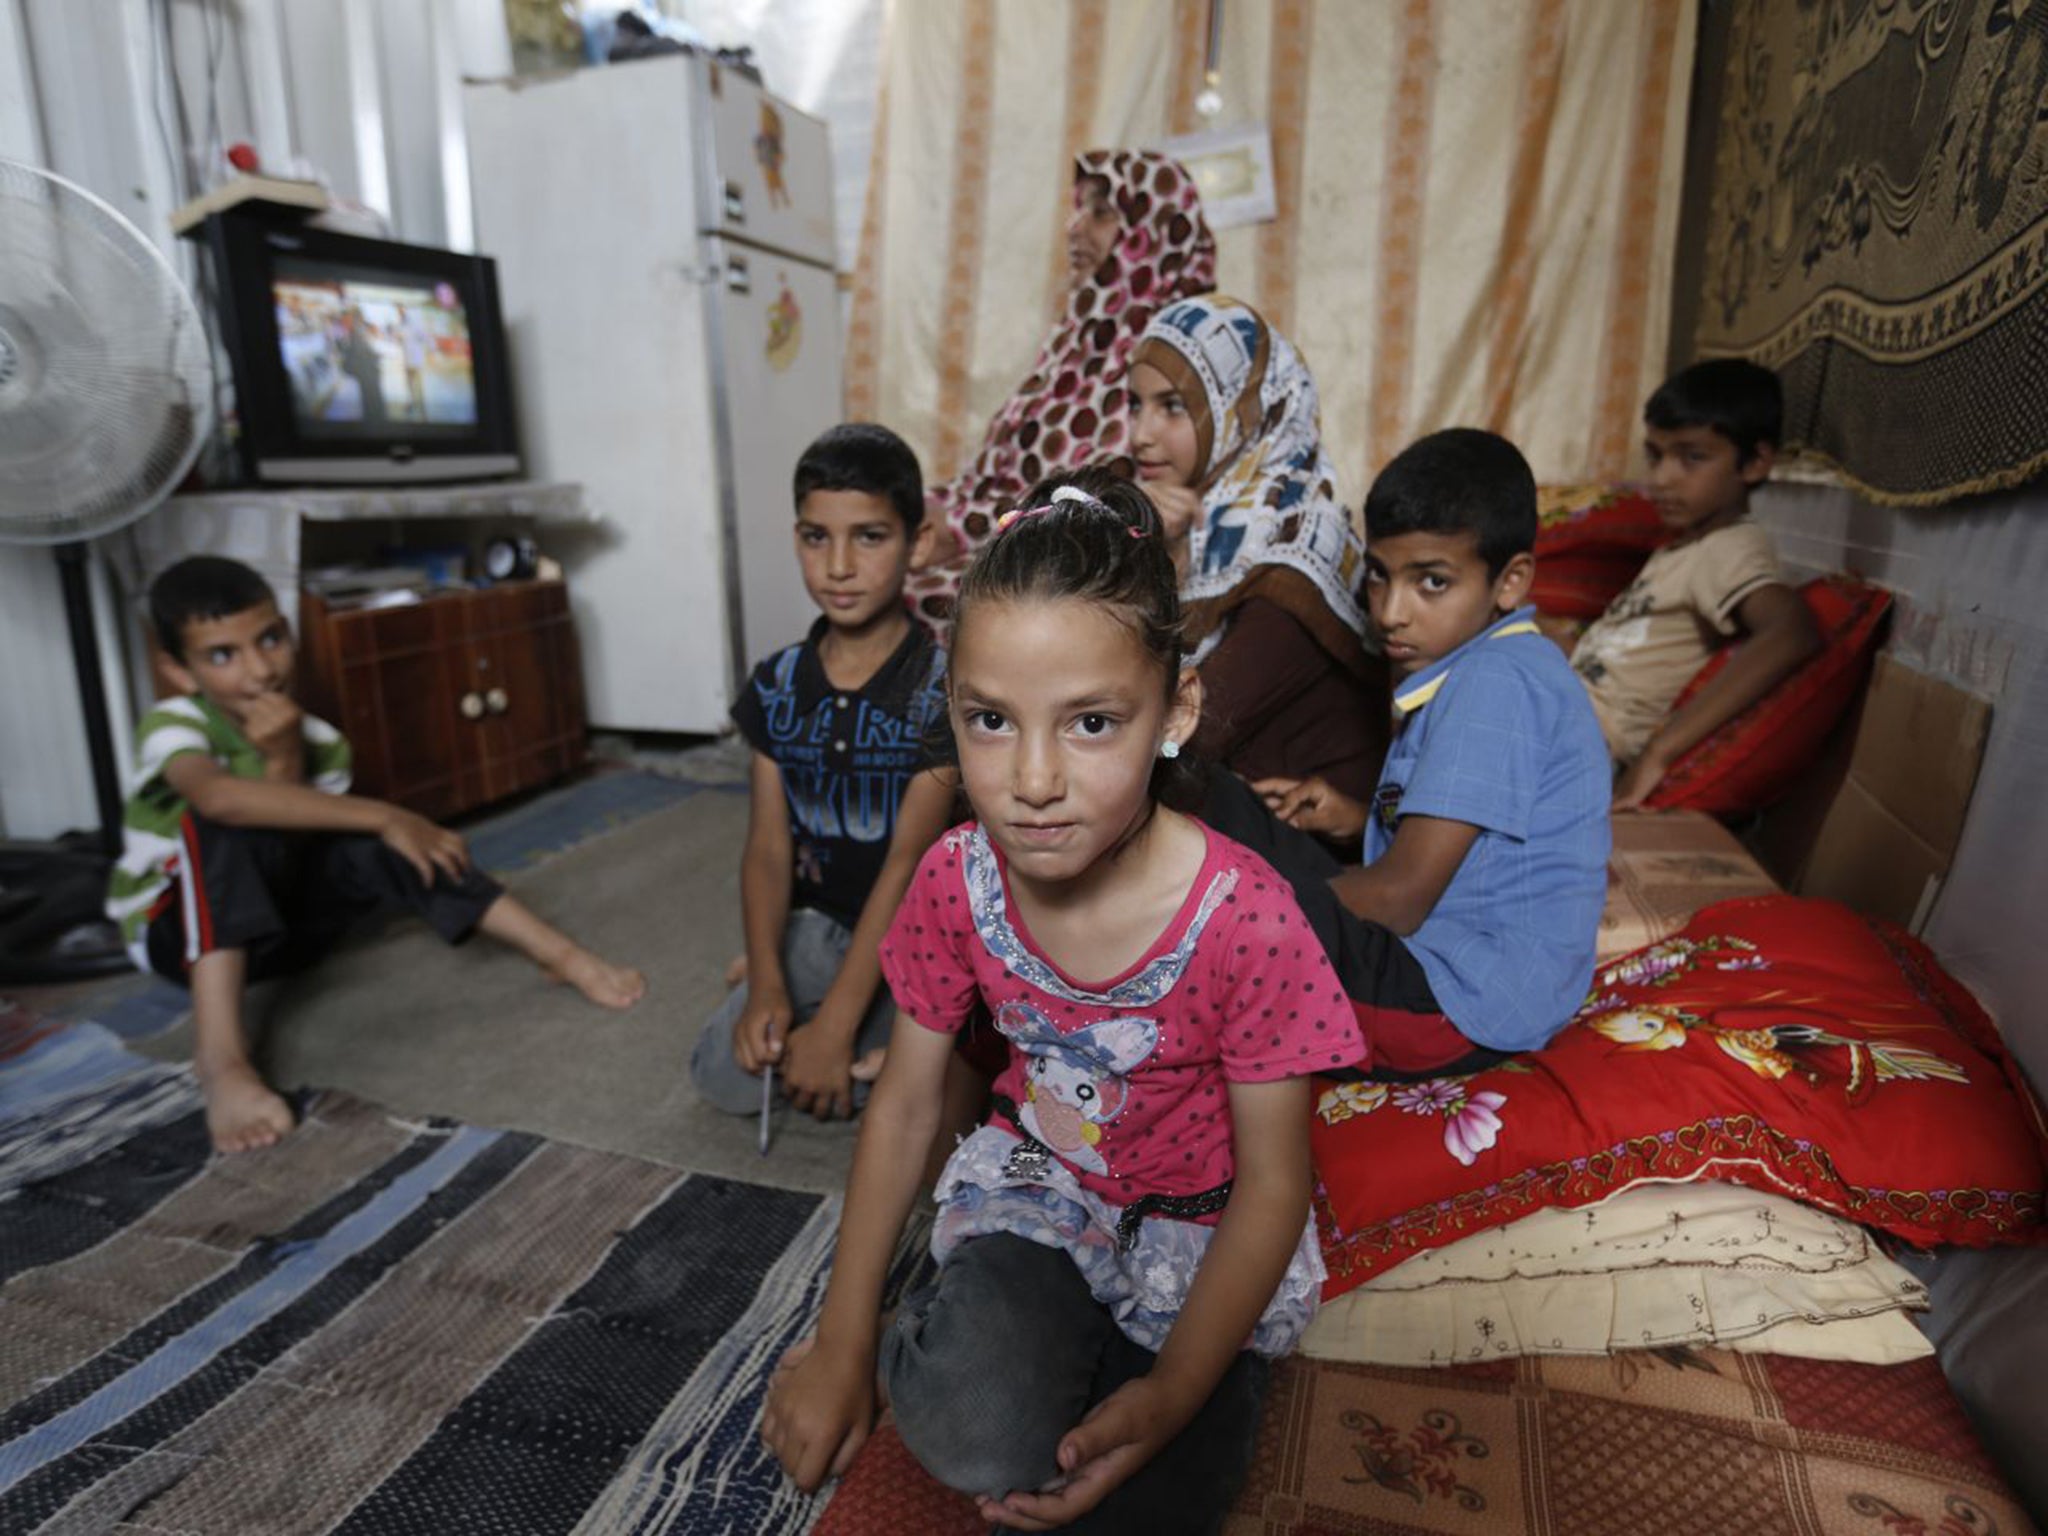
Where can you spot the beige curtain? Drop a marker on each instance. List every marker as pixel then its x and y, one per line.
pixel 1477 204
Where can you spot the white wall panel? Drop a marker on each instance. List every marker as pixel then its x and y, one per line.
pixel 207 42
pixel 260 52
pixel 318 87
pixel 21 136
pixel 404 77
pixel 85 61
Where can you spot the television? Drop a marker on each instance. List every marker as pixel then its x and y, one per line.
pixel 359 360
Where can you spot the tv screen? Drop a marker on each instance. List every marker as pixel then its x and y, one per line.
pixel 361 359
pixel 363 353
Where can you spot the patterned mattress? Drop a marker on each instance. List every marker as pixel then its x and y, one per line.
pixel 1671 1440
pixel 1675 1441
pixel 1664 868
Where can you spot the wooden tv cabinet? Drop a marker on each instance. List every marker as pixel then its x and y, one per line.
pixel 450 703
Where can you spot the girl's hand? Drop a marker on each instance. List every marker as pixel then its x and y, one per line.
pixel 819 1413
pixel 1120 1434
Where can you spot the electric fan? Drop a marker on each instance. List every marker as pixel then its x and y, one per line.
pixel 105 384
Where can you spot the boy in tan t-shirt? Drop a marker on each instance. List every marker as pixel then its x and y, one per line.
pixel 1711 435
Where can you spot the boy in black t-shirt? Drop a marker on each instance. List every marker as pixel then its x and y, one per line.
pixel 843 804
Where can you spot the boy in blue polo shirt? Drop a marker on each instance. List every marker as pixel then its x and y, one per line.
pixel 1468 933
pixel 843 803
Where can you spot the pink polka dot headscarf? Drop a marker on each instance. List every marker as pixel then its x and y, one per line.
pixel 1071 408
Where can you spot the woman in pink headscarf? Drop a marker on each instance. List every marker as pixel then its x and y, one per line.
pixel 1136 242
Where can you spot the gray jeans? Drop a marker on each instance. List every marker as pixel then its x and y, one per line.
pixel 813 948
pixel 988 1367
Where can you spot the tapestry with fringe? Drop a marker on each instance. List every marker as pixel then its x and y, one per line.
pixel 1878 233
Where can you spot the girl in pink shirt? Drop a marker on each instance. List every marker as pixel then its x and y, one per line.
pixel 1126 1242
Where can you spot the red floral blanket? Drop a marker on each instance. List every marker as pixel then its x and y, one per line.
pixel 1780 1043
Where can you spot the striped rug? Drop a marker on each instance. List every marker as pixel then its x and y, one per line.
pixel 378 1326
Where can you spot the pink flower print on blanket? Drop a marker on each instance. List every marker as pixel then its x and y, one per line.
pixel 1471 1120
pixel 1076 1083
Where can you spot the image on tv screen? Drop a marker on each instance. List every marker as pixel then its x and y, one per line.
pixel 372 356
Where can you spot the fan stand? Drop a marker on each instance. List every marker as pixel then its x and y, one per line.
pixel 105 396
pixel 53 922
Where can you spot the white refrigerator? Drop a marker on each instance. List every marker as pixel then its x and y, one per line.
pixel 663 234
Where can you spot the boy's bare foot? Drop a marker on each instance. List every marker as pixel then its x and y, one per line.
pixel 243 1112
pixel 607 985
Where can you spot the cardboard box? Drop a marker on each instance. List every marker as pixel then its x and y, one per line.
pixel 1888 836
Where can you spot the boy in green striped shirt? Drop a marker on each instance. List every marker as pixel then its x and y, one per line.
pixel 245 856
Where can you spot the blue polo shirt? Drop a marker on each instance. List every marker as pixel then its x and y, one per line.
pixel 1499 734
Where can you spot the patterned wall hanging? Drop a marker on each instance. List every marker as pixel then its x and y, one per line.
pixel 1878 233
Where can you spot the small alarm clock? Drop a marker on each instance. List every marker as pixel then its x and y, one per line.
pixel 511 559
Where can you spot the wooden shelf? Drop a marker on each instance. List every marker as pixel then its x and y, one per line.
pixel 554 501
pixel 450 703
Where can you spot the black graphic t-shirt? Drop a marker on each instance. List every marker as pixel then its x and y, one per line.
pixel 846 755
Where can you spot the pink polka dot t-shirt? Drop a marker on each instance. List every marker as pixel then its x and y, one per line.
pixel 1113 1118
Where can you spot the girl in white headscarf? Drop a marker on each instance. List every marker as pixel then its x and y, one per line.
pixel 1227 435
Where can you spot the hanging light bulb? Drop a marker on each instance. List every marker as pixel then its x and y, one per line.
pixel 1209 100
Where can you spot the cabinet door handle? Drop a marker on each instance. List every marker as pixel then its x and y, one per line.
pixel 497 701
pixel 472 706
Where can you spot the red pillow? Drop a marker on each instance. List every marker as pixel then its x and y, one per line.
pixel 1780 1043
pixel 1752 760
pixel 1590 543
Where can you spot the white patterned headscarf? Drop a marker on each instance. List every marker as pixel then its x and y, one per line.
pixel 1271 525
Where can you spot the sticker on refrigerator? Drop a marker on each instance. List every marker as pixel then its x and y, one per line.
pixel 769 151
pixel 785 327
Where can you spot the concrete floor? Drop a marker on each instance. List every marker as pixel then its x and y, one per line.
pixel 476 1034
